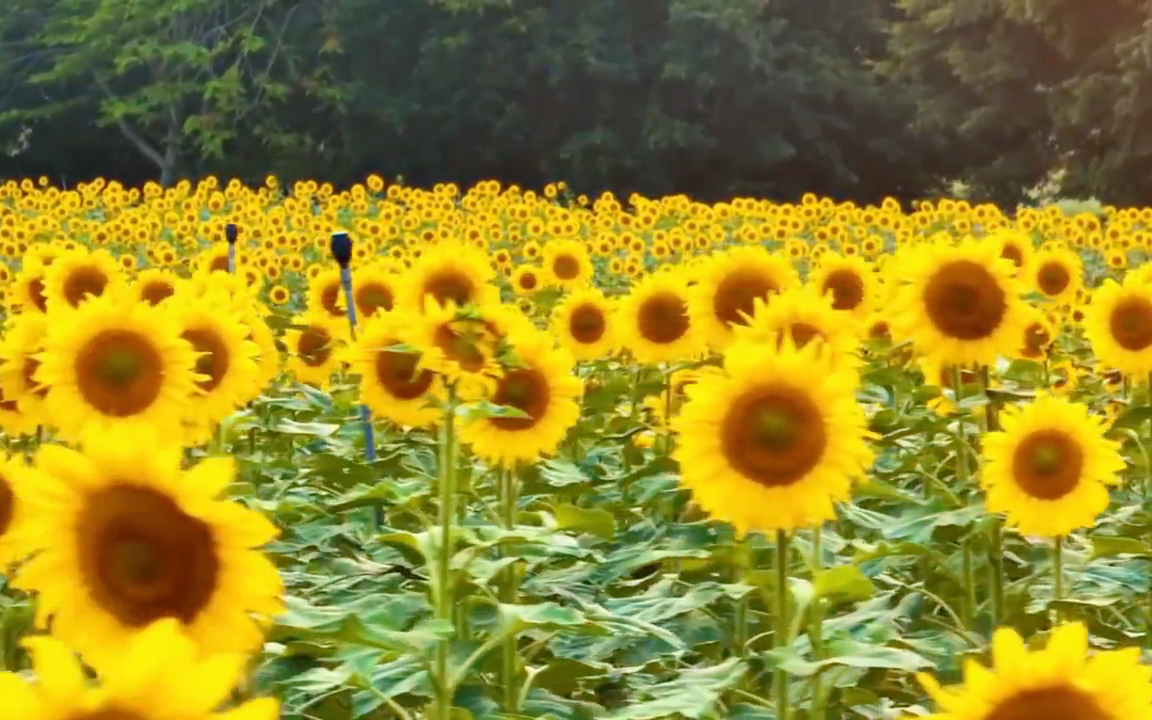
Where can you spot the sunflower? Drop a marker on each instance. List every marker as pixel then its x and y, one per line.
pixel 279 295
pixel 464 345
pixel 374 291
pixel 214 260
pixel 79 275
pixel 28 290
pixel 122 537
pixel 391 383
pixel 1056 273
pixel 1039 334
pixel 228 375
pixel 584 324
pixel 449 272
pixel 1060 682
pixel 115 363
pixel 1118 324
pixel 19 362
pixel 1064 378
pixel 727 287
pixel 11 511
pixel 774 442
pixel 654 321
pixel 154 286
pixel 526 280
pixel 851 281
pixel 1050 467
pixel 312 348
pixel 541 385
pixel 805 316
pixel 157 675
pixel 959 303
pixel 566 264
pixel 326 294
pixel 1015 246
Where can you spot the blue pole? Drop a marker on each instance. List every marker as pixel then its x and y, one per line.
pixel 342 252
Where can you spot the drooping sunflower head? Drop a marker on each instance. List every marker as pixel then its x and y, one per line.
pixel 115 363
pixel 155 286
pixel 584 324
pixel 803 316
pixel 80 275
pixel 654 321
pixel 1061 682
pixel 566 264
pixel 775 441
pixel 449 272
pixel 123 538
pixel 727 287
pixel 158 673
pixel 313 343
pixel 541 386
pixel 960 304
pixel 392 383
pixel 1049 469
pixel 850 281
pixel 1057 273
pixel 1118 324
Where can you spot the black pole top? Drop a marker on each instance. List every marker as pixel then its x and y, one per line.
pixel 230 232
pixel 341 248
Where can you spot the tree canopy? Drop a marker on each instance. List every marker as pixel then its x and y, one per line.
pixel 851 98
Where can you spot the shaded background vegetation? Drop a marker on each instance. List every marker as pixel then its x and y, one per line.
pixel 852 98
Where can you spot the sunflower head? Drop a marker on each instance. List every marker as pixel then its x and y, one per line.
pixel 1118 324
pixel 727 287
pixel 584 324
pixel 448 272
pixel 654 320
pixel 392 383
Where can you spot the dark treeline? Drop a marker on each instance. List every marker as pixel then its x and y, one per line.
pixel 853 98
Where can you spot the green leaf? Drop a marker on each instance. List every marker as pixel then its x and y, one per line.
pixel 595 521
pixel 314 429
pixel 846 582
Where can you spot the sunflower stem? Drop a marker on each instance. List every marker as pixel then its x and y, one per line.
pixel 781 635
pixel 969 586
pixel 996 569
pixel 1058 571
pixel 443 596
pixel 961 436
pixel 816 628
pixel 508 590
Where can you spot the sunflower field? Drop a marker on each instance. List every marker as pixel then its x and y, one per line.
pixel 392 452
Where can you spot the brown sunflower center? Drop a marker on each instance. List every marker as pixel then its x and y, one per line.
pixel 330 299
pixel 7 506
pixel 314 346
pixel 373 296
pixel 219 263
pixel 1013 253
pixel 735 298
pixel 964 301
pixel 448 286
pixel 662 318
pixel 1053 278
pixel 1036 338
pixel 82 282
pixel 525 389
pixel 587 324
pixel 397 373
pixel 773 435
pixel 528 281
pixel 879 331
pixel 31 365
pixel 1051 703
pixel 7 405
pixel 1047 464
pixel 213 359
pixel 119 373
pixel 155 292
pixel 566 267
pixel 142 558
pixel 36 293
pixel 847 289
pixel 802 334
pixel 1131 324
